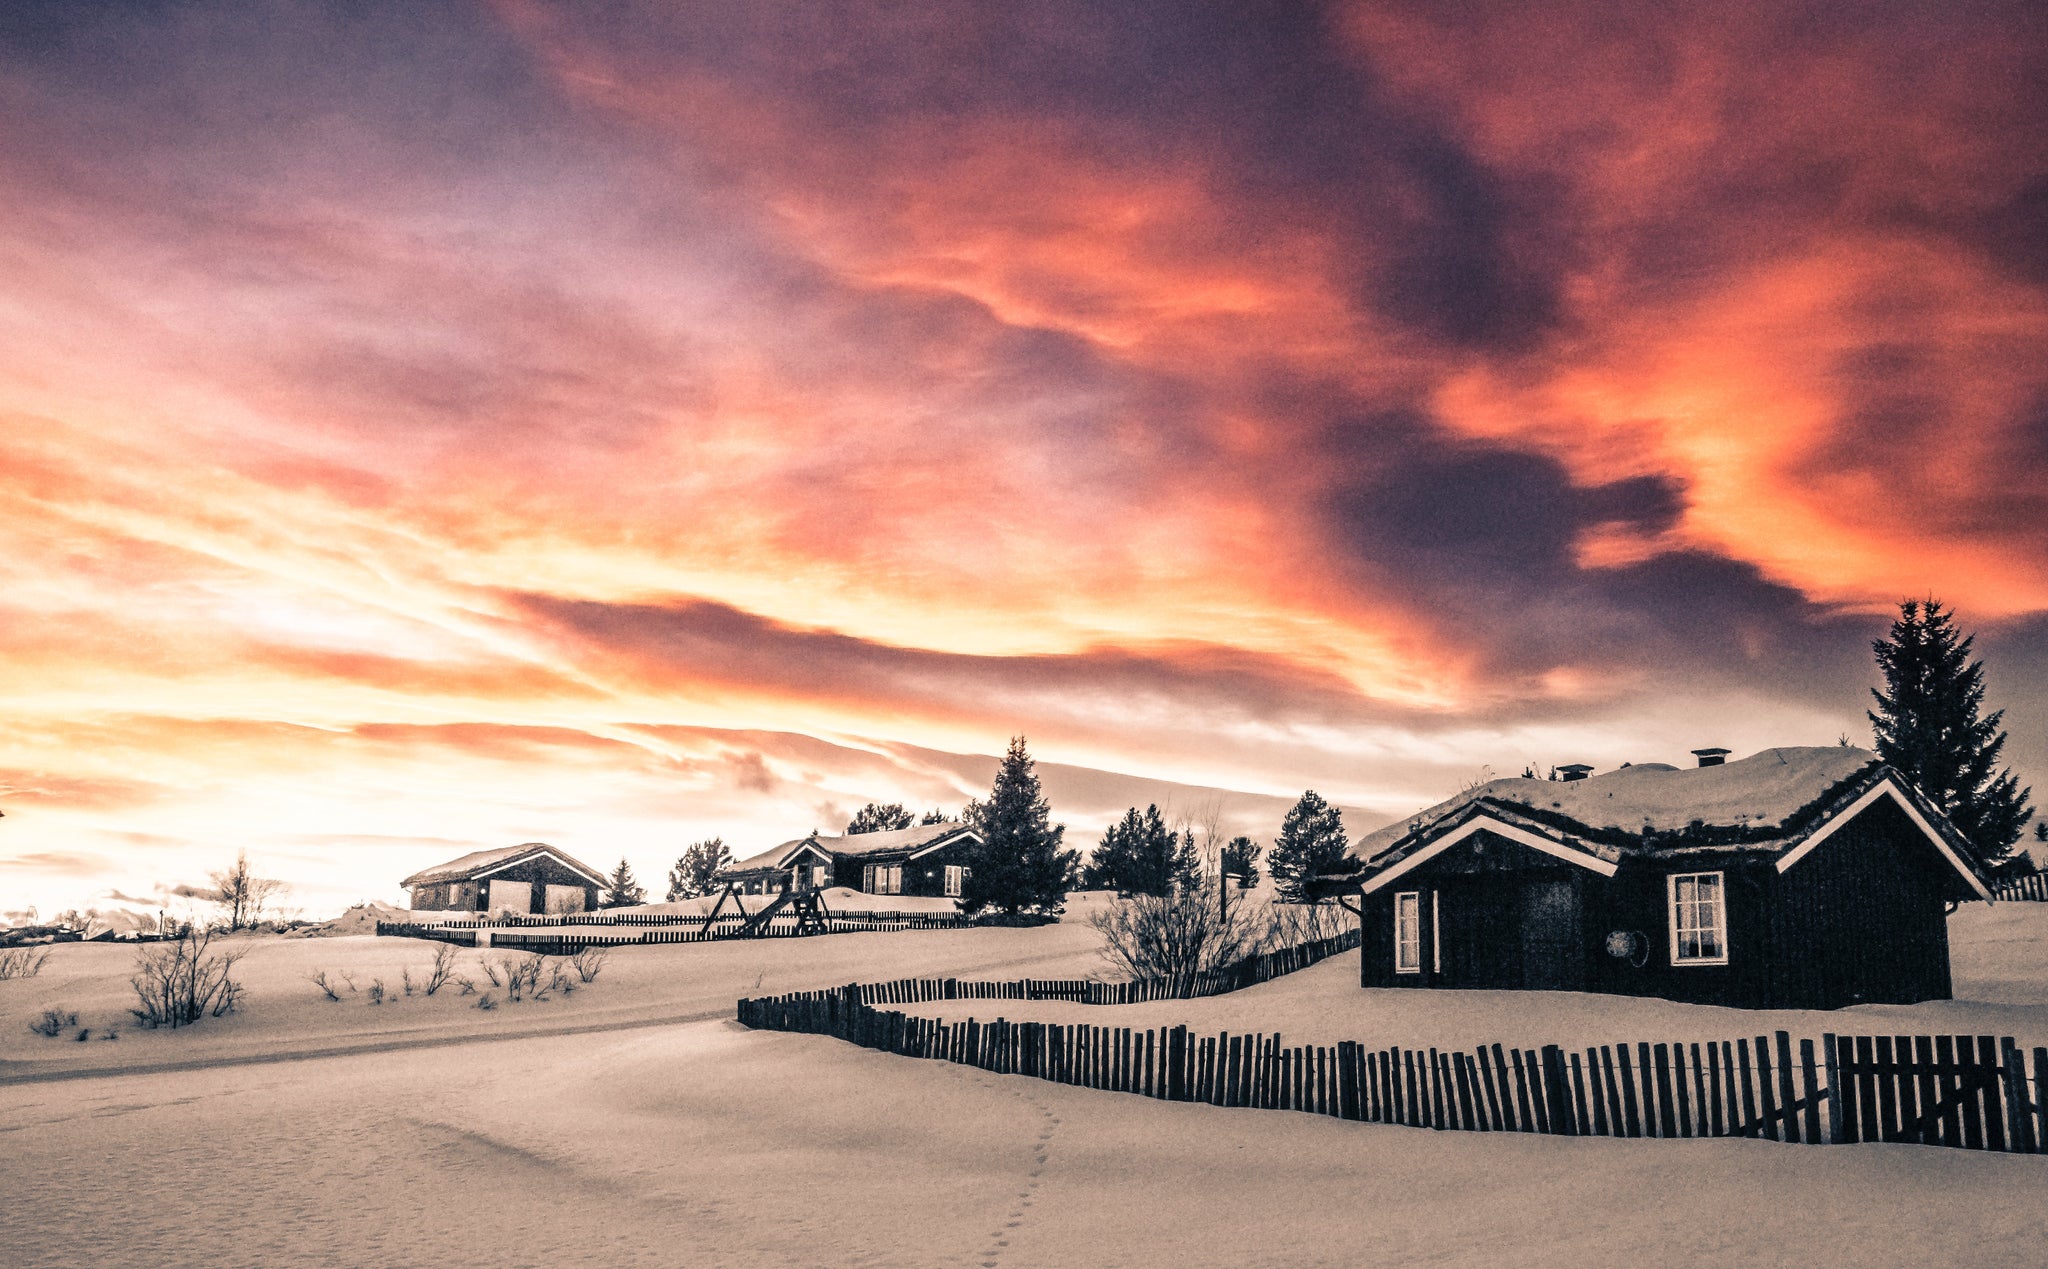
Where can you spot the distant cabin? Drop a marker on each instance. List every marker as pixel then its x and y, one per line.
pixel 1795 879
pixel 930 859
pixel 530 878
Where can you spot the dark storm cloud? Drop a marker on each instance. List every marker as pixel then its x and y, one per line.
pixel 1485 542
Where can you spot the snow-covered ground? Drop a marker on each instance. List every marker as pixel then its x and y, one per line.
pixel 702 1143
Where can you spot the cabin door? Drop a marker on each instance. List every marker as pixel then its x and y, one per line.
pixel 1552 956
pixel 1477 932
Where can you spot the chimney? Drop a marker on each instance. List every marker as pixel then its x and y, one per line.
pixel 1711 757
pixel 1574 771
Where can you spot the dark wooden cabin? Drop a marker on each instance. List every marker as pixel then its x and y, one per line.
pixel 929 859
pixel 530 878
pixel 1794 879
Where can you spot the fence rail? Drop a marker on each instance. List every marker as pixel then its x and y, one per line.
pixel 1972 1092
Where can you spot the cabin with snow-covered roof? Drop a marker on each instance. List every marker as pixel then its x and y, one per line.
pixel 1799 878
pixel 927 859
pixel 532 877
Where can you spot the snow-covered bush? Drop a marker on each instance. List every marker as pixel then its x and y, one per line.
pixel 180 981
pixel 22 962
pixel 52 1022
pixel 589 961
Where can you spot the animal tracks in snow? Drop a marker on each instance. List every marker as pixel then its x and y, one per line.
pixel 1020 1207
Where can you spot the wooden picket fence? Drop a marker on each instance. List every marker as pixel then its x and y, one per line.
pixel 1977 1093
pixel 553 936
pixel 1251 970
pixel 2030 887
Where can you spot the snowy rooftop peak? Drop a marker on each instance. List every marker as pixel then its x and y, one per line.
pixel 1758 791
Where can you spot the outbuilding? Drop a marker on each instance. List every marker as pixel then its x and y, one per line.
pixel 1798 878
pixel 529 878
pixel 928 859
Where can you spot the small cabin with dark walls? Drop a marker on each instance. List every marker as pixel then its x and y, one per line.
pixel 533 877
pixel 928 859
pixel 1807 878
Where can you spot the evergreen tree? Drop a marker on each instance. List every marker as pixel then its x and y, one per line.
pixel 1019 866
pixel 877 817
pixel 1241 860
pixel 697 871
pixel 1140 855
pixel 1112 863
pixel 621 891
pixel 1927 727
pixel 933 816
pixel 1311 842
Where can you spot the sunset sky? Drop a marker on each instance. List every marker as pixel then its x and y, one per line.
pixel 428 427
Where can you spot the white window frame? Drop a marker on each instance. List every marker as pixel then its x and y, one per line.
pixel 1714 910
pixel 955 875
pixel 1412 901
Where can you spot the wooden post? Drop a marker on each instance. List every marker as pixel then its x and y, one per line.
pixel 1523 1113
pixel 1557 1092
pixel 1839 1131
pixel 1786 1097
pixel 1678 1086
pixel 1990 1079
pixel 1602 1125
pixel 2019 1121
pixel 1628 1092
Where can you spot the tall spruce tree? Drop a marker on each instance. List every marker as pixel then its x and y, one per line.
pixel 1019 867
pixel 1311 842
pixel 1927 727
pixel 621 891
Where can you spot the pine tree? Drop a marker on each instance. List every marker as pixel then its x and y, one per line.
pixel 1140 855
pixel 1926 726
pixel 1112 864
pixel 877 817
pixel 933 816
pixel 1311 842
pixel 697 871
pixel 621 891
pixel 1019 866
pixel 1241 860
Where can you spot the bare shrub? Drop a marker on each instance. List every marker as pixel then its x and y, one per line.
pixel 52 1023
pixel 319 979
pixel 522 977
pixel 486 1002
pixel 559 979
pixel 22 962
pixel 348 980
pixel 589 962
pixel 1177 936
pixel 443 970
pixel 405 979
pixel 1305 922
pixel 180 981
pixel 494 970
pixel 463 981
pixel 84 1034
pixel 376 991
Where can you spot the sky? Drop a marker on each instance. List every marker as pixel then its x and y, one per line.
pixel 430 427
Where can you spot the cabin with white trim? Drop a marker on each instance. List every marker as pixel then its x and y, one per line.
pixel 927 859
pixel 1799 878
pixel 532 877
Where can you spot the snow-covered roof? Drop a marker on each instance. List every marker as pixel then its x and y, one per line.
pixel 1770 802
pixel 482 861
pixel 1758 791
pixel 859 845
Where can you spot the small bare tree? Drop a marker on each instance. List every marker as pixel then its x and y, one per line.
pixel 444 968
pixel 241 894
pixel 1177 936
